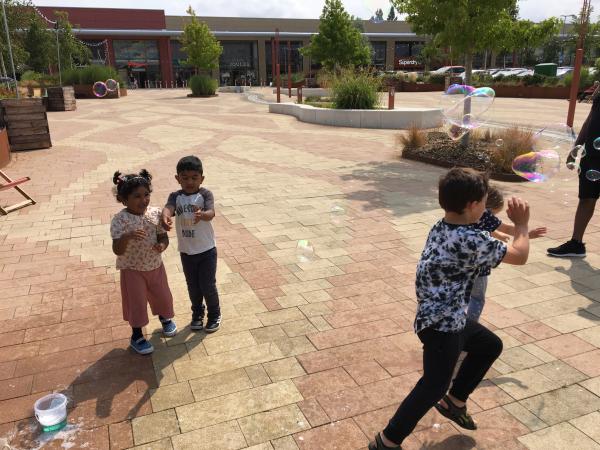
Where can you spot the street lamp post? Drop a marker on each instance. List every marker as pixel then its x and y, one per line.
pixel 12 63
pixel 562 39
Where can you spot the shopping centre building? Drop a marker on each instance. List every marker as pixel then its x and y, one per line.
pixel 144 44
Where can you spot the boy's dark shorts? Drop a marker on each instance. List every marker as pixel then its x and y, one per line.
pixel 589 189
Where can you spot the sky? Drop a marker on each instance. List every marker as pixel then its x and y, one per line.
pixel 530 9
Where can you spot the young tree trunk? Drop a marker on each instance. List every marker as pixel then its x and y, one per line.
pixel 468 75
pixel 2 66
pixel 493 59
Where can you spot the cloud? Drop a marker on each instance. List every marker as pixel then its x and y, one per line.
pixel 530 9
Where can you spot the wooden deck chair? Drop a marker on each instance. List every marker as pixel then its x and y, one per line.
pixel 14 184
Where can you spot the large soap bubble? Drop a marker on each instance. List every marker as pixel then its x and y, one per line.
pixel 111 85
pixel 99 89
pixel 474 105
pixel 537 166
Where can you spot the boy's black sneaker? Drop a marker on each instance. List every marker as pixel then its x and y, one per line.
pixel 196 324
pixel 570 249
pixel 213 325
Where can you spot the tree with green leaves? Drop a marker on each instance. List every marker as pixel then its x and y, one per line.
pixel 72 50
pixel 462 25
pixel 338 43
pixel 18 15
pixel 392 15
pixel 202 48
pixel 525 36
pixel 39 45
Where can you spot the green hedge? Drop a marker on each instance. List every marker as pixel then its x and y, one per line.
pixel 90 74
pixel 203 85
pixel 355 90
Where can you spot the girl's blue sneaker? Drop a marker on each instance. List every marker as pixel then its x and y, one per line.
pixel 169 328
pixel 142 346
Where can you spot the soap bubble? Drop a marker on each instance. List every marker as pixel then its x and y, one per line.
pixel 573 165
pixel 111 85
pixel 592 175
pixel 305 251
pixel 99 89
pixel 337 214
pixel 455 132
pixel 558 137
pixel 597 143
pixel 459 89
pixel 470 109
pixel 436 427
pixel 537 166
pixel 578 152
pixel 499 142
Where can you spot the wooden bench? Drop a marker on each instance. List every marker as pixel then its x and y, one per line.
pixel 14 184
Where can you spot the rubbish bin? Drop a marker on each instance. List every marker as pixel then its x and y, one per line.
pixel 547 69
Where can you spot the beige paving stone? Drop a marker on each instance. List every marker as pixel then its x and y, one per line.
pixel 220 384
pixel 228 342
pixel 561 372
pixel 562 405
pixel 320 323
pixel 236 405
pixel 268 334
pixel 163 444
pixel 289 301
pixel 588 424
pixel 591 335
pixel 273 424
pixel 568 323
pixel 284 369
pixel 223 362
pixel 264 446
pixel 155 426
pixel 524 416
pixel 563 436
pixel 316 296
pixel 519 358
pixel 226 436
pixel 284 443
pixel 258 375
pixel 525 383
pixel 167 397
pixel 298 328
pixel 294 346
pixel 539 353
pixel 281 316
pixel 592 385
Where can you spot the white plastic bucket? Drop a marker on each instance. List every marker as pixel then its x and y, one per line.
pixel 51 410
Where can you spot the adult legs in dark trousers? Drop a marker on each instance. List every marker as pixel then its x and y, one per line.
pixel 589 191
pixel 200 275
pixel 440 355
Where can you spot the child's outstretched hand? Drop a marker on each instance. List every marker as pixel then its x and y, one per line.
pixel 518 211
pixel 166 222
pixel 198 215
pixel 538 232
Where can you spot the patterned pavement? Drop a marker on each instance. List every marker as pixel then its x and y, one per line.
pixel 316 348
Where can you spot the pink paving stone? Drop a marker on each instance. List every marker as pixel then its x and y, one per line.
pixel 348 335
pixel 565 345
pixel 344 435
pixel 323 382
pixel 588 363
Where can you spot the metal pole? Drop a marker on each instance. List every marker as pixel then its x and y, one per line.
pixel 277 65
pixel 12 63
pixel 585 14
pixel 289 68
pixel 58 54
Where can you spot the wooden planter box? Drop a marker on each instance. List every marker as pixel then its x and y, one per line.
pixel 85 91
pixel 421 87
pixel 4 148
pixel 26 123
pixel 532 92
pixel 61 99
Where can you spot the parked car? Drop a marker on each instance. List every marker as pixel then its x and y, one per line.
pixel 561 72
pixel 449 70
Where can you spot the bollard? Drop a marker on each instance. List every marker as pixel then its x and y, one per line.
pixel 391 96
pixel 299 91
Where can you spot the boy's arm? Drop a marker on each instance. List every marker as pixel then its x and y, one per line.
pixel 518 252
pixel 208 213
pixel 533 234
pixel 166 220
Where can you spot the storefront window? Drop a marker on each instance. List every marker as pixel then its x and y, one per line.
pixel 98 51
pixel 238 65
pixel 403 49
pixel 181 72
pixel 378 51
pixel 140 58
pixel 294 57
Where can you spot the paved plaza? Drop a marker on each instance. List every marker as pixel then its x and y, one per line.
pixel 316 349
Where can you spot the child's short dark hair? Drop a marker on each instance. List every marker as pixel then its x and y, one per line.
pixel 495 198
pixel 192 163
pixel 461 186
pixel 126 184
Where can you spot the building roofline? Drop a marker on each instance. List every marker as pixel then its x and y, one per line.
pixel 176 33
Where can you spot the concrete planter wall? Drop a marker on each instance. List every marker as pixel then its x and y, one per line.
pixel 395 119
pixel 307 92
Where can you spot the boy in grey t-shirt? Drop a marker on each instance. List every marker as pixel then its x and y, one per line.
pixel 194 210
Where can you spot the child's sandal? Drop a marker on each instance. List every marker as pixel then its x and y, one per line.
pixel 458 415
pixel 378 444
